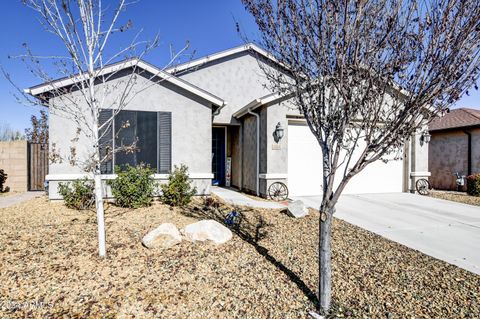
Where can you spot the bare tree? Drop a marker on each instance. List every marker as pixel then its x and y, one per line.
pixel 367 75
pixel 7 133
pixel 38 133
pixel 85 28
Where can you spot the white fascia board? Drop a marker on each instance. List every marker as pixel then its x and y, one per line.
pixel 220 55
pixel 36 90
pixel 123 65
pixel 182 84
pixel 257 103
pixel 250 106
pixel 69 177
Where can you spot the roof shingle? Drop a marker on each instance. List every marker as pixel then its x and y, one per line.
pixel 456 118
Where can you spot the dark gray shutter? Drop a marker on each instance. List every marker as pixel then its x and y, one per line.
pixel 106 141
pixel 164 142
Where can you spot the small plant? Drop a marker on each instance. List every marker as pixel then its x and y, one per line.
pixel 473 185
pixel 78 194
pixel 178 191
pixel 133 187
pixel 210 202
pixel 3 178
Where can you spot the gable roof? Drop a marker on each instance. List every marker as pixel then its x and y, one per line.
pixel 269 98
pixel 222 54
pixel 457 118
pixel 38 90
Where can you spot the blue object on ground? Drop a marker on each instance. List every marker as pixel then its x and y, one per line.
pixel 231 218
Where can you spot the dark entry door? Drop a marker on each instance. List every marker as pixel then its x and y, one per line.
pixel 218 155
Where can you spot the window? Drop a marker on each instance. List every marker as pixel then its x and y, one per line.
pixel 150 130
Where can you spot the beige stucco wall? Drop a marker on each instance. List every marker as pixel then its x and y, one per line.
pixel 274 156
pixel 238 79
pixel 14 161
pixel 235 152
pixel 191 128
pixel 249 153
pixel 448 153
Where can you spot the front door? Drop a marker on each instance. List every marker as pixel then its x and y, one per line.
pixel 218 155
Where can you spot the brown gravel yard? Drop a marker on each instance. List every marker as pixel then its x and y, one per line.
pixel 456 197
pixel 49 269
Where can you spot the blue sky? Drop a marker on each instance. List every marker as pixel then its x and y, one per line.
pixel 209 26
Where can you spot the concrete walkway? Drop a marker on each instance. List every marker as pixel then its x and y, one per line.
pixel 446 230
pixel 236 198
pixel 10 200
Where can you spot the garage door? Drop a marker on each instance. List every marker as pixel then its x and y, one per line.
pixel 305 168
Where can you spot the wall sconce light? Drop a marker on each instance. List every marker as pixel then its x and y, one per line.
pixel 278 133
pixel 425 137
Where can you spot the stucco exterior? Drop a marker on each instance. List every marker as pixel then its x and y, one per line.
pixel 239 80
pixel 191 130
pixel 448 154
pixel 475 151
pixel 413 160
pixel 234 151
pixel 249 154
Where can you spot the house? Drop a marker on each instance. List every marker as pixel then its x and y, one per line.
pixel 216 115
pixel 454 147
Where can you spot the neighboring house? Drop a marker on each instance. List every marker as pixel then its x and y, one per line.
pixel 217 110
pixel 454 147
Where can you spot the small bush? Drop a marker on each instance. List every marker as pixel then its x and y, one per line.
pixel 133 187
pixel 3 178
pixel 473 185
pixel 78 194
pixel 178 191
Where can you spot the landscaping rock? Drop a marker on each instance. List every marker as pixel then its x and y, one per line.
pixel 164 236
pixel 207 230
pixel 297 209
pixel 373 277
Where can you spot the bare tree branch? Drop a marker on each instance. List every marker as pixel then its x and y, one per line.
pixel 367 75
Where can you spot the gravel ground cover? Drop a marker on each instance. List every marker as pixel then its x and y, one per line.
pixel 456 197
pixel 49 269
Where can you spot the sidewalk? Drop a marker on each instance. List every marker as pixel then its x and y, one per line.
pixel 7 201
pixel 236 198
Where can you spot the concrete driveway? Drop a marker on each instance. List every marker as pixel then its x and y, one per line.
pixel 443 229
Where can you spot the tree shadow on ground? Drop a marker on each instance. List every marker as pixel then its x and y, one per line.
pixel 251 230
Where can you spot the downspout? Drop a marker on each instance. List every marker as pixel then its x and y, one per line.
pixel 258 150
pixel 469 153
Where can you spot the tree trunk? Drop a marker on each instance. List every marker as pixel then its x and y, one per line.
pixel 325 262
pixel 100 214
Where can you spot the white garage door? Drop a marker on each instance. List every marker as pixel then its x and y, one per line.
pixel 305 168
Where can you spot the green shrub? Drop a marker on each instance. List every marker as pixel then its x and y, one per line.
pixel 473 185
pixel 178 191
pixel 3 178
pixel 78 194
pixel 133 187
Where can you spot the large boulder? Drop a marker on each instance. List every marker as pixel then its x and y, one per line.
pixel 207 230
pixel 297 209
pixel 164 236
